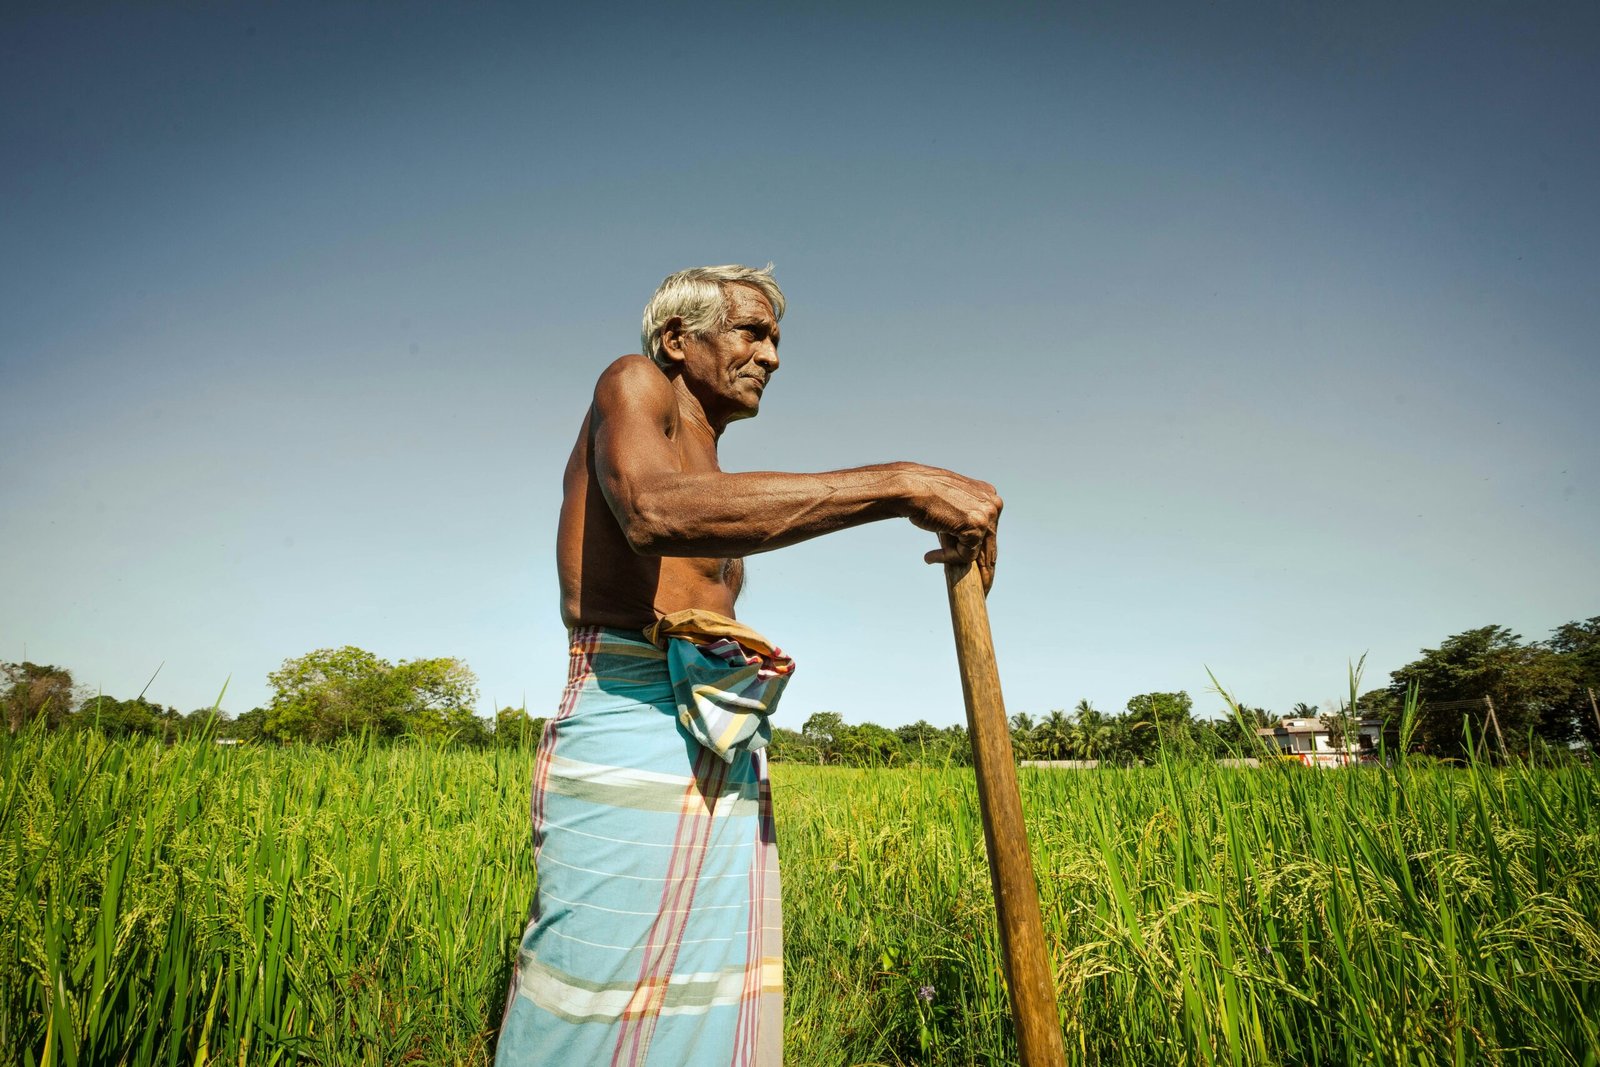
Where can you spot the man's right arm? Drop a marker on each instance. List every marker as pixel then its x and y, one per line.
pixel 665 511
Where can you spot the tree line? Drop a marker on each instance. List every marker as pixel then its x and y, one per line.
pixel 322 696
pixel 1543 694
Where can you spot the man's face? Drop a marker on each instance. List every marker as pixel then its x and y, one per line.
pixel 728 370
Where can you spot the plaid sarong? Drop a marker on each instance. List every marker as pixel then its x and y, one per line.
pixel 655 937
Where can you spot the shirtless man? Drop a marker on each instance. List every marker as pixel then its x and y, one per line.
pixel 652 530
pixel 650 523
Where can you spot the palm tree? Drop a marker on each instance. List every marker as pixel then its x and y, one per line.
pixel 1055 736
pixel 1023 742
pixel 1091 731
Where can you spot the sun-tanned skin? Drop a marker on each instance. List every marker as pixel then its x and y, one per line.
pixel 650 524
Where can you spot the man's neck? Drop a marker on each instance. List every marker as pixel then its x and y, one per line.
pixel 694 413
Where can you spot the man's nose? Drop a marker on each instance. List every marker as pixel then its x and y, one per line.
pixel 767 355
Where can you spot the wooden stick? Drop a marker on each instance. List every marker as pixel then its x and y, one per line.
pixel 1029 975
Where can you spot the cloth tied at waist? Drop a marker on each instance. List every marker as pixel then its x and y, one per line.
pixel 726 679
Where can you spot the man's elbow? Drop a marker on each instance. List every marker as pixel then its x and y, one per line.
pixel 648 534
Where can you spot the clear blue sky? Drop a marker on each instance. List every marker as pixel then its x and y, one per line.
pixel 1275 326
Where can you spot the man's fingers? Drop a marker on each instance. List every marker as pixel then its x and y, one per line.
pixel 983 558
pixel 955 550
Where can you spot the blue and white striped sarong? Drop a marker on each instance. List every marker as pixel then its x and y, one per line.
pixel 656 936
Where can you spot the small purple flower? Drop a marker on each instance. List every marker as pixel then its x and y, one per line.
pixel 925 993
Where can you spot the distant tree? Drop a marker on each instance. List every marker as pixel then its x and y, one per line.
pixel 959 745
pixel 333 693
pixel 1234 733
pixel 1156 719
pixel 1054 737
pixel 868 745
pixel 1092 731
pixel 1382 704
pixel 1213 738
pixel 792 746
pixel 251 726
pixel 1127 741
pixel 326 694
pixel 823 726
pixel 1023 743
pixel 459 726
pixel 924 742
pixel 1261 719
pixel 515 728
pixel 201 720
pixel 1305 711
pixel 35 691
pixel 1162 708
pixel 826 730
pixel 435 697
pixel 1577 645
pixel 127 718
pixel 1525 681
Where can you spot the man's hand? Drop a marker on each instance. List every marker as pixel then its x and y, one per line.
pixel 950 552
pixel 963 511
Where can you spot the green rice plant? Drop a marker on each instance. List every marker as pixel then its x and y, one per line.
pixel 189 903
pixel 360 904
pixel 1205 915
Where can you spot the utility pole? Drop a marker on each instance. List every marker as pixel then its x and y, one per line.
pixel 1495 722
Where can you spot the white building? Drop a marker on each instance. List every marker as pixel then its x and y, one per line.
pixel 1312 741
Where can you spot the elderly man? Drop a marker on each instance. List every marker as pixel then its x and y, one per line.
pixel 655 932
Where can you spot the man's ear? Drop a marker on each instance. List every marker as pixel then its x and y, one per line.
pixel 673 336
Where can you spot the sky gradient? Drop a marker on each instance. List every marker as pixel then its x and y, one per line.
pixel 1275 327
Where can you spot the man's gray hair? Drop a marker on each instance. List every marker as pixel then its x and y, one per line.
pixel 698 296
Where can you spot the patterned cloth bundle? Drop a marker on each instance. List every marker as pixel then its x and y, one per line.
pixel 726 678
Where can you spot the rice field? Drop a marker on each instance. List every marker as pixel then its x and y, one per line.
pixel 360 905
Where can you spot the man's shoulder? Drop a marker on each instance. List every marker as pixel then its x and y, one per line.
pixel 633 382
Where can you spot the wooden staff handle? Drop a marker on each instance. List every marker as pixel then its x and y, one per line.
pixel 1029 975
